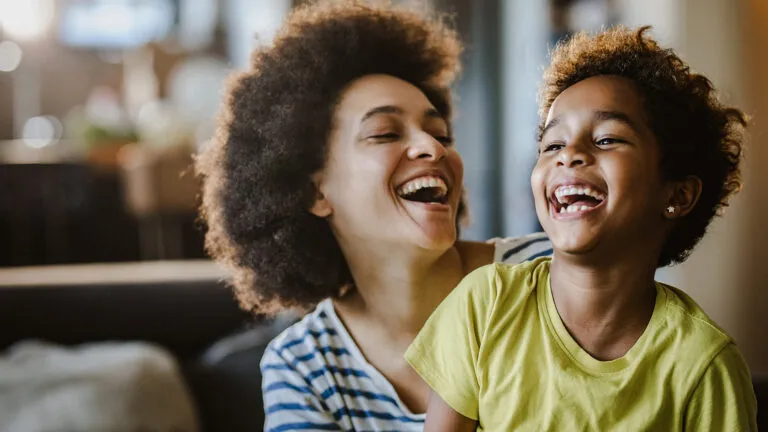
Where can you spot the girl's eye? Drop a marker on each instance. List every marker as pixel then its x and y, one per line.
pixel 608 141
pixel 552 147
pixel 445 140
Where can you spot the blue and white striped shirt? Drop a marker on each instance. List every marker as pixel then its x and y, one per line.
pixel 315 378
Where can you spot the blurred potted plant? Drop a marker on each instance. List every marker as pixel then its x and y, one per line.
pixel 104 144
pixel 102 126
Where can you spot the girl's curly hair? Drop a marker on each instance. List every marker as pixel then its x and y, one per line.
pixel 697 134
pixel 273 135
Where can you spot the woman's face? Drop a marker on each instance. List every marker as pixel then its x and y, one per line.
pixel 392 175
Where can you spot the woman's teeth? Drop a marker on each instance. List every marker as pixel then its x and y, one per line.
pixel 441 189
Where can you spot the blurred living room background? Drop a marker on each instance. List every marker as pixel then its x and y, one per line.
pixel 103 104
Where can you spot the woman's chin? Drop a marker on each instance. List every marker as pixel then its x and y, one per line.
pixel 436 239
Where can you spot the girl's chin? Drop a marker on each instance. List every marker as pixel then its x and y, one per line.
pixel 574 245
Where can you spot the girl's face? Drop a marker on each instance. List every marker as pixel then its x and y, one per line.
pixel 392 173
pixel 597 185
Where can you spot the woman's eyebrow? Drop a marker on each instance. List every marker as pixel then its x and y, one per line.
pixel 384 109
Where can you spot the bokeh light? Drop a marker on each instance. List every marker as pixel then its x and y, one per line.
pixel 41 131
pixel 10 56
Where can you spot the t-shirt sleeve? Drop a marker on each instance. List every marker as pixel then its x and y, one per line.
pixel 445 352
pixel 289 402
pixel 724 399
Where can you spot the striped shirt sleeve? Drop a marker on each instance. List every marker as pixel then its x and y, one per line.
pixel 290 402
pixel 514 250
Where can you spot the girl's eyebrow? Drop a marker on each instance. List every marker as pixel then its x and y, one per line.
pixel 601 116
pixel 552 123
pixel 598 116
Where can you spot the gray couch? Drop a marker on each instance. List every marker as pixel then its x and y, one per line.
pixel 193 315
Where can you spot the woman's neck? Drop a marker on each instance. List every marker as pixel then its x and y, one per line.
pixel 606 308
pixel 399 290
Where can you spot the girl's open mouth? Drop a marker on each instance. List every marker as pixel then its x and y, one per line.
pixel 575 199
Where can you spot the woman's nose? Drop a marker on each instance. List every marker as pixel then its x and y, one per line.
pixel 425 146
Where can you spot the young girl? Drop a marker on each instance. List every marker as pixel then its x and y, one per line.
pixel 636 155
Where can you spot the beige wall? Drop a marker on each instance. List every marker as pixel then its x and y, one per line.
pixel 755 289
pixel 6 120
pixel 67 76
pixel 728 273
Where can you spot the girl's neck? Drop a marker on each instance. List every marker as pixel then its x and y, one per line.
pixel 606 308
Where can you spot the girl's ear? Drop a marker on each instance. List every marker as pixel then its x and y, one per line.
pixel 321 207
pixel 683 197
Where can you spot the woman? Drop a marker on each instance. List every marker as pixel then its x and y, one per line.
pixel 334 182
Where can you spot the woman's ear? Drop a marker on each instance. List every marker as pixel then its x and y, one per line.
pixel 683 197
pixel 321 207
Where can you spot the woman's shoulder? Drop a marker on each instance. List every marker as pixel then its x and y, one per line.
pixel 513 250
pixel 510 250
pixel 310 340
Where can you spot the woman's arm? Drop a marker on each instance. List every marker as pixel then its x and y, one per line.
pixel 442 418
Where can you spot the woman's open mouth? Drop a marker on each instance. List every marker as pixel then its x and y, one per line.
pixel 575 199
pixel 426 189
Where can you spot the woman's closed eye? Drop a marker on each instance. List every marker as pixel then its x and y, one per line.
pixel 385 137
pixel 445 140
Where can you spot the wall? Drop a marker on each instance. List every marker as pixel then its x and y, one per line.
pixel 755 289
pixel 727 273
pixel 67 76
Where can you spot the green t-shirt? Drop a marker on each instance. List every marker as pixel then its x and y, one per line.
pixel 497 351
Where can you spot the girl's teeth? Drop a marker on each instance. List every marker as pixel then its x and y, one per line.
pixel 573 190
pixel 573 208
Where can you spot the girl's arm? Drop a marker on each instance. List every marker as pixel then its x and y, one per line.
pixel 442 418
